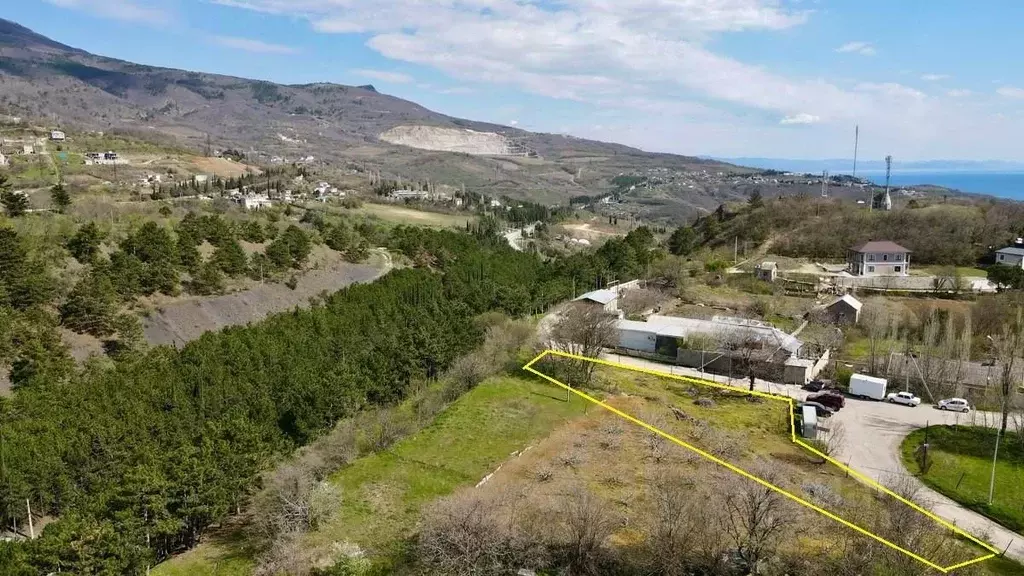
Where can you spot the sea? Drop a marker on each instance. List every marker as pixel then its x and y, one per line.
pixel 1001 184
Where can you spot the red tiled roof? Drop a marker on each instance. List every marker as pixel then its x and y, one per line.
pixel 879 246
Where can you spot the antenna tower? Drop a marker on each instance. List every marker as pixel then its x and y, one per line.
pixel 888 170
pixel 824 183
pixel 856 144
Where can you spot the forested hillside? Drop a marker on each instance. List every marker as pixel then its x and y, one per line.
pixel 955 233
pixel 139 458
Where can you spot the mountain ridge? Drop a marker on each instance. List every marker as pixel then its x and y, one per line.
pixel 338 124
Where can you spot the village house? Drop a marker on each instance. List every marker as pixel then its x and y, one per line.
pixel 255 201
pixel 57 135
pixel 606 299
pixel 878 258
pixel 767 271
pixel 3 160
pixel 843 310
pixel 409 195
pixel 722 345
pixel 1012 255
pixel 28 149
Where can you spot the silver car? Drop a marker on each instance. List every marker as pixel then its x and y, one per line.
pixel 954 404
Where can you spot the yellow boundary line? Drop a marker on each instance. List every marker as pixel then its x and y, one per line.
pixel 792 429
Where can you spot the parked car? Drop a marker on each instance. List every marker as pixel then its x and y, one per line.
pixel 821 409
pixel 815 386
pixel 905 398
pixel 955 404
pixel 831 398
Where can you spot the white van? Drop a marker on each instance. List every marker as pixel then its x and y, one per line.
pixel 868 387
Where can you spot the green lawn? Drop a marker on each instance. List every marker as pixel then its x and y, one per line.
pixel 962 467
pixel 383 493
pixel 964 271
pixel 859 348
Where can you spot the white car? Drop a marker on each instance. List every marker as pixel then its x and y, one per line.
pixel 905 398
pixel 955 404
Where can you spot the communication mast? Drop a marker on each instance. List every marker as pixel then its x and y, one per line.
pixel 888 171
pixel 824 183
pixel 856 144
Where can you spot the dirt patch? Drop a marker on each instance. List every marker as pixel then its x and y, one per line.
pixel 185 320
pixel 223 167
pixel 590 231
pixel 449 140
pixel 82 346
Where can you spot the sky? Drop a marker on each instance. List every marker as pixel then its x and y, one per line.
pixel 924 79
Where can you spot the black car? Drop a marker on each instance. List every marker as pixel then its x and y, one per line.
pixel 822 410
pixel 818 385
pixel 831 398
pixel 814 386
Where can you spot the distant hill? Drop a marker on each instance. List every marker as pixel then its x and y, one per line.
pixel 44 79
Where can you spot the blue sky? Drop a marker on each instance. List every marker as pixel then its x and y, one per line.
pixel 924 79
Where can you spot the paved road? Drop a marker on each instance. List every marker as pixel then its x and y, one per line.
pixel 873 433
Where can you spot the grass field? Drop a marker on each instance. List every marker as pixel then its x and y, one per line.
pixel 965 271
pixel 383 493
pixel 962 469
pixel 410 216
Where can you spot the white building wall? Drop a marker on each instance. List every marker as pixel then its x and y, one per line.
pixel 638 340
pixel 1010 260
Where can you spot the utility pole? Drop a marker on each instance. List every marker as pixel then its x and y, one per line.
pixel 735 249
pixel 995 457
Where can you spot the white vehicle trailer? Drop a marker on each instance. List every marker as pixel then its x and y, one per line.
pixel 868 387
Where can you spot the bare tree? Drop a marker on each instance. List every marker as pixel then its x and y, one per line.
pixel 1008 348
pixel 877 323
pixel 831 440
pixel 639 300
pixel 755 518
pixel 583 330
pixel 470 533
pixel 586 523
pixel 676 524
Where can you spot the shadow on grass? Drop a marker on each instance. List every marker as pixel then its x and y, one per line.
pixel 973 441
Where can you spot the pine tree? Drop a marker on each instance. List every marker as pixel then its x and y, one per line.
pixel 91 306
pixel 60 197
pixel 231 258
pixel 15 203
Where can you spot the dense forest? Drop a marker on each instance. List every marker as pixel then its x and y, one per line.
pixel 139 456
pixel 955 233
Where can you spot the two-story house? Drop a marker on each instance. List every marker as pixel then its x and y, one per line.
pixel 879 258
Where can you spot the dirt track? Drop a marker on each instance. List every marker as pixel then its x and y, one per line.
pixel 181 322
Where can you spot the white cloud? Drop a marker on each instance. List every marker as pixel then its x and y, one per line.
pixel 513 122
pixel 256 46
pixel 126 10
pixel 384 76
pixel 892 90
pixel 862 48
pixel 934 77
pixel 958 93
pixel 802 118
pixel 1011 92
pixel 653 64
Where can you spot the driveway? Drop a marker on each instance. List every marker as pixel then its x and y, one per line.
pixel 873 433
